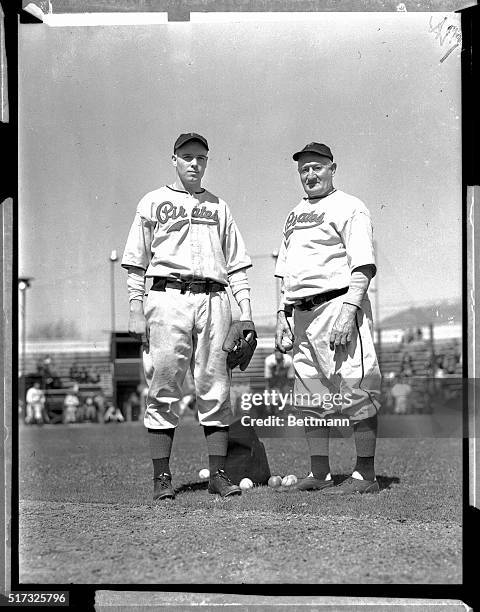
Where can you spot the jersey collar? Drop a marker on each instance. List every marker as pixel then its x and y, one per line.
pixel 182 190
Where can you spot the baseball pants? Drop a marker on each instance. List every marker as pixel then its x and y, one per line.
pixel 349 375
pixel 187 331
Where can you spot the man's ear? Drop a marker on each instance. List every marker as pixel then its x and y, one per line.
pixel 174 160
pixel 334 167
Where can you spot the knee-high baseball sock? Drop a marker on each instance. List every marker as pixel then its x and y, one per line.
pixel 217 444
pixel 161 441
pixel 318 440
pixel 365 442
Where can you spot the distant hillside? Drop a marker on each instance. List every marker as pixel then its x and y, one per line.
pixel 443 313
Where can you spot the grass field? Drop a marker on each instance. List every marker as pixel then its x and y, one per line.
pixel 86 514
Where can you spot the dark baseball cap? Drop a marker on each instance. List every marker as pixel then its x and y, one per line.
pixel 184 138
pixel 314 147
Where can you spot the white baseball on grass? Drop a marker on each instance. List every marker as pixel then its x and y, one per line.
pixel 289 480
pixel 204 473
pixel 245 483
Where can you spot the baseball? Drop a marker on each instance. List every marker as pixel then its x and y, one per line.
pixel 287 343
pixel 204 473
pixel 245 483
pixel 289 480
pixel 274 481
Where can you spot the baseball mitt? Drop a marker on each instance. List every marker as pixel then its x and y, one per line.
pixel 240 344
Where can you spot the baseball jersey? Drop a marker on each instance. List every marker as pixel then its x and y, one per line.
pixel 179 235
pixel 323 242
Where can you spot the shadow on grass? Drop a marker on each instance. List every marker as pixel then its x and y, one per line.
pixel 384 482
pixel 192 486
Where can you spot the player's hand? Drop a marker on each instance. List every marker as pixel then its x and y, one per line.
pixel 344 326
pixel 283 331
pixel 137 326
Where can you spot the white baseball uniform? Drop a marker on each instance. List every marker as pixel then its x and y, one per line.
pixel 180 236
pixel 35 400
pixel 324 241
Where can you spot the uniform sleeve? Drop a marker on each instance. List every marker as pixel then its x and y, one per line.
pixel 234 249
pixel 138 247
pixel 357 236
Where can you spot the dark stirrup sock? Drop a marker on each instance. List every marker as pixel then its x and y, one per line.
pixel 217 444
pixel 160 441
pixel 365 433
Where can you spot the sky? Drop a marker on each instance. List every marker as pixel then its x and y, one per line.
pixel 100 108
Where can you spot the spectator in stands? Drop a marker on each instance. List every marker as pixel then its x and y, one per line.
pixel 401 391
pixel 189 399
pixel 99 401
pixel 132 406
pixel 451 358
pixel 93 377
pixel 406 363
pixel 408 336
pixel 35 405
pixel 89 410
pixel 142 391
pixel 71 404
pixel 279 374
pixel 113 414
pixel 83 375
pixel 75 371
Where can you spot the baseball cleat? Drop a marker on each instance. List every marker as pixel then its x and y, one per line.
pixel 309 483
pixel 162 487
pixel 355 485
pixel 221 484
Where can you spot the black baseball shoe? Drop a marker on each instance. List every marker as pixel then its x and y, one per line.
pixel 309 483
pixel 221 484
pixel 162 487
pixel 354 485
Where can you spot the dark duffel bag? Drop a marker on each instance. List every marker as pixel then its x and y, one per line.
pixel 246 456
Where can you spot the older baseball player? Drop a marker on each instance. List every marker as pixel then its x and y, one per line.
pixel 326 262
pixel 186 241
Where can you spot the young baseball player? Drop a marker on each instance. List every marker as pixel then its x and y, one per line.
pixel 326 262
pixel 185 240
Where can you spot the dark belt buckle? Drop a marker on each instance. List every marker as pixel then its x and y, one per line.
pixel 183 287
pixel 208 284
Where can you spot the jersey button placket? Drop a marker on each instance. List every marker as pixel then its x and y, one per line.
pixel 195 246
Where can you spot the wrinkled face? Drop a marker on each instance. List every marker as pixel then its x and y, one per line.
pixel 190 160
pixel 316 174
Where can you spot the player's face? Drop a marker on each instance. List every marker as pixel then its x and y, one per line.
pixel 190 160
pixel 316 173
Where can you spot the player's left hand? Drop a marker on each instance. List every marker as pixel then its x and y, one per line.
pixel 344 326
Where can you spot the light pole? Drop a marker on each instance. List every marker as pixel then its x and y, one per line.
pixel 113 343
pixel 23 285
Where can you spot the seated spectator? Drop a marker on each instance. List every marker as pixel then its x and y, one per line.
pixel 132 406
pixel 279 374
pixel 93 377
pixel 89 410
pixel 70 405
pixel 99 401
pixel 401 391
pixel 75 371
pixel 35 400
pixel 83 375
pixel 113 414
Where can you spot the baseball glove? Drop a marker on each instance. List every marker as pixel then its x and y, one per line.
pixel 240 344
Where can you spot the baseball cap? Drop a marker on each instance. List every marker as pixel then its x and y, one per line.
pixel 183 138
pixel 314 147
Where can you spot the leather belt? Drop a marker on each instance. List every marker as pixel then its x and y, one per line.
pixel 194 286
pixel 321 298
